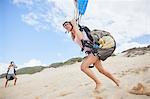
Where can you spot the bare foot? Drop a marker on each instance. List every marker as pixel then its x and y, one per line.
pixel 98 87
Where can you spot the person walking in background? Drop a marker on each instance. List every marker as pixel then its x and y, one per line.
pixel 11 73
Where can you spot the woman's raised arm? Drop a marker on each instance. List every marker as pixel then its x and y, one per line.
pixel 76 29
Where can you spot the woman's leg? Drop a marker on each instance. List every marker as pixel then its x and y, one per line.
pixel 6 83
pixel 91 59
pixel 98 65
pixel 15 80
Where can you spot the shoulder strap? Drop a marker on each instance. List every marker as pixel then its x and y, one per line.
pixel 87 31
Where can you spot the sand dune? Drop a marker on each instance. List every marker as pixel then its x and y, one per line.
pixel 68 82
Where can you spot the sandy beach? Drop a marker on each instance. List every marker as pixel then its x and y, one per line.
pixel 69 82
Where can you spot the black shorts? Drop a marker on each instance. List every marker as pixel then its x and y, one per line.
pixel 103 54
pixel 10 76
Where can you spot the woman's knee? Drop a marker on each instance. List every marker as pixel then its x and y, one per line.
pixel 101 70
pixel 83 67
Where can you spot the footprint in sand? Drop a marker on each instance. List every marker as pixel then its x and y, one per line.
pixel 140 89
pixel 64 93
pixel 98 97
pixel 46 86
pixel 99 91
pixel 37 97
pixel 148 81
pixel 86 84
pixel 97 94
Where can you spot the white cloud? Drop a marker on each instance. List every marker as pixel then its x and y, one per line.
pixel 3 67
pixel 126 46
pixel 26 2
pixel 30 18
pixel 33 62
pixel 125 19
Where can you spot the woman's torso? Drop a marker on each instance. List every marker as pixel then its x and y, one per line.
pixel 78 41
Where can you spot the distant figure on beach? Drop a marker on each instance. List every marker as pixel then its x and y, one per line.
pixel 99 48
pixel 11 73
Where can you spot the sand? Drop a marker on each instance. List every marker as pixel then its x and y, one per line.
pixel 69 82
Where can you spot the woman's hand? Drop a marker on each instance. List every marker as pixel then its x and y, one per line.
pixel 73 22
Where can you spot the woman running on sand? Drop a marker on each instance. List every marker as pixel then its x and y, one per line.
pixel 93 57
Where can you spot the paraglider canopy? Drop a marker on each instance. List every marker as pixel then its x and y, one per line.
pixel 81 6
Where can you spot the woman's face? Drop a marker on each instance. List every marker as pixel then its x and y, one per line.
pixel 67 26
